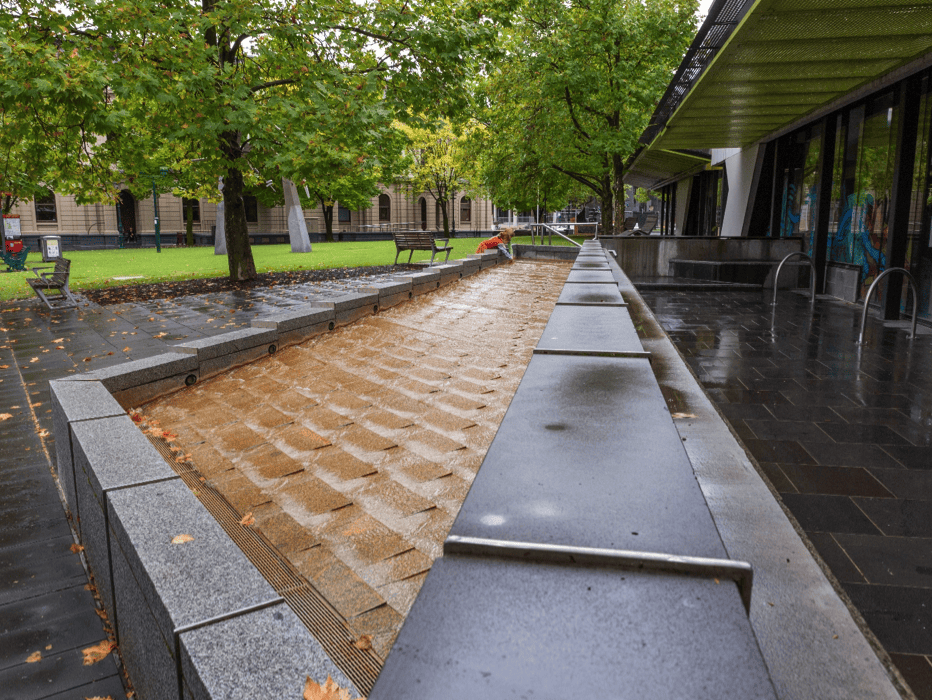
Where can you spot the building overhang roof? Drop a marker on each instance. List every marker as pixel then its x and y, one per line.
pixel 786 59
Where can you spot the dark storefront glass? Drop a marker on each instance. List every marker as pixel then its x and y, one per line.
pixel 919 251
pixel 800 180
pixel 862 187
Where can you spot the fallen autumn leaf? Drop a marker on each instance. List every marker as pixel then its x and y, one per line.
pixel 181 539
pixel 98 652
pixel 328 691
pixel 33 657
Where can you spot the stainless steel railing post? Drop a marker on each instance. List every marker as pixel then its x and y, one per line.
pixel 812 280
pixel 870 292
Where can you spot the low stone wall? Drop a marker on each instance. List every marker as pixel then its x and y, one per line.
pixel 192 616
pixel 650 256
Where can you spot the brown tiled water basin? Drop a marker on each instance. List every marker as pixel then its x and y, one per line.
pixel 353 452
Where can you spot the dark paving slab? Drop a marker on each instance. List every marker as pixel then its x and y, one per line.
pixel 842 432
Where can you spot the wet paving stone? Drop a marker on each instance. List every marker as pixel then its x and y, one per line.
pixel 847 446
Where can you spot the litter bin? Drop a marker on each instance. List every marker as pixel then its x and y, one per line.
pixel 51 248
pixel 12 234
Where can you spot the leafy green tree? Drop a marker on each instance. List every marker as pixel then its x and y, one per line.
pixel 575 88
pixel 235 88
pixel 438 162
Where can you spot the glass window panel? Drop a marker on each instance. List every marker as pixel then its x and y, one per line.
pixel 45 207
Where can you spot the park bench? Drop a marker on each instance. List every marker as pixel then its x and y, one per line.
pixel 56 280
pixel 420 240
pixel 16 262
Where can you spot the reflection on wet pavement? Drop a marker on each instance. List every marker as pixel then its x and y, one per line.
pixel 842 431
pixel 354 451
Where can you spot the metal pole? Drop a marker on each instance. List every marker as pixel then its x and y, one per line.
pixel 155 210
pixel 870 292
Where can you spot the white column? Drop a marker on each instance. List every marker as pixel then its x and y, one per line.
pixel 220 236
pixel 297 226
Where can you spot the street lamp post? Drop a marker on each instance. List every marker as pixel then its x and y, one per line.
pixel 155 210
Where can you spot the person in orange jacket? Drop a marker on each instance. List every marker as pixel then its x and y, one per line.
pixel 501 241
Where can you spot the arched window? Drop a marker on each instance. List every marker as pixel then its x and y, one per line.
pixel 385 207
pixel 45 207
pixel 465 210
pixel 423 214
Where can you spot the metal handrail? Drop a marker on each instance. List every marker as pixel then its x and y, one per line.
pixel 552 231
pixel 870 292
pixel 812 280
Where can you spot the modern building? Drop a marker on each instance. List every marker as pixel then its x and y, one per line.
pixel 396 207
pixel 810 120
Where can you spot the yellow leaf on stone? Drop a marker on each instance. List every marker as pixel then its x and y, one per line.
pixel 247 519
pixel 33 657
pixel 75 548
pixel 98 652
pixel 181 539
pixel 364 642
pixel 59 340
pixel 5 416
pixel 328 691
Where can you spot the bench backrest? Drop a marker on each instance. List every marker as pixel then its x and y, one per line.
pixel 406 238
pixel 62 270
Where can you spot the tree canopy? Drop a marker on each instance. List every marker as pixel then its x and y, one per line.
pixel 249 90
pixel 575 88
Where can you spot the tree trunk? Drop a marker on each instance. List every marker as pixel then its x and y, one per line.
pixel 189 226
pixel 328 218
pixel 239 252
pixel 446 217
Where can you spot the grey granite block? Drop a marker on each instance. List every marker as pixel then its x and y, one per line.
pixel 417 278
pixel 148 654
pixel 228 343
pixel 150 369
pixel 470 265
pixel 346 302
pixel 143 522
pixel 589 444
pixel 137 395
pixel 389 301
pixel 388 288
pixel 300 317
pixel 544 252
pixel 75 401
pixel 590 264
pixel 299 335
pixel 350 315
pixel 487 259
pixel 499 628
pixel 109 453
pixel 225 362
pixel 593 329
pixel 589 276
pixel 267 653
pixel 598 294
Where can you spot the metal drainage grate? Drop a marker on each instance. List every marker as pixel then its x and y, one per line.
pixel 321 619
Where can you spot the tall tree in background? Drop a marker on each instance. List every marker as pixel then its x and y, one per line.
pixel 237 87
pixel 438 162
pixel 575 89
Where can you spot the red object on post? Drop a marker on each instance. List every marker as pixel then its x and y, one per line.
pixel 14 246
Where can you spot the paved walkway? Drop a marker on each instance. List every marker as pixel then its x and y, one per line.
pixel 47 613
pixel 844 434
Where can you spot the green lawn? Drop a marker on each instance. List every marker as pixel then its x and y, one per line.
pixel 93 269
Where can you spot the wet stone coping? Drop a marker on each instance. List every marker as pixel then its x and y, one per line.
pixel 584 561
pixel 193 617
